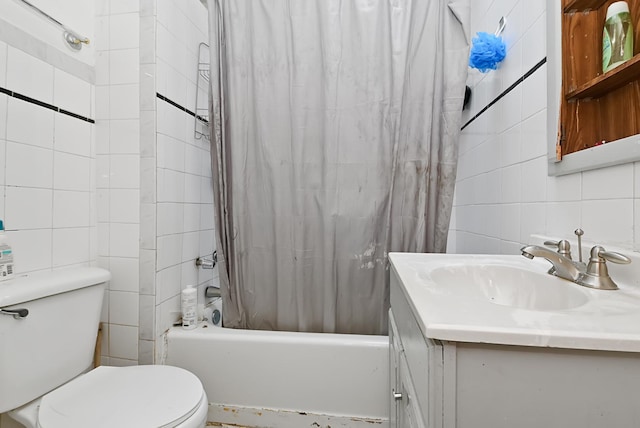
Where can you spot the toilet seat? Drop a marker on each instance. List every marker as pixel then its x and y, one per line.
pixel 136 397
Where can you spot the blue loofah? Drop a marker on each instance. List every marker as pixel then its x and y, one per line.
pixel 487 51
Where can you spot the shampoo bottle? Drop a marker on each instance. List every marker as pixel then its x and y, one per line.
pixel 6 255
pixel 189 307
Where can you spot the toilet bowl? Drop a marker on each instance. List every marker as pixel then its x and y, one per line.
pixel 122 397
pixel 48 322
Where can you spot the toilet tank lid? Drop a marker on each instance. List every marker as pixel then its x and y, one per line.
pixel 32 286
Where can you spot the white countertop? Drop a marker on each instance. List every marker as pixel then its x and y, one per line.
pixel 610 320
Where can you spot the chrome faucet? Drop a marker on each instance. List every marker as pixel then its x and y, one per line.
pixel 563 266
pixel 593 275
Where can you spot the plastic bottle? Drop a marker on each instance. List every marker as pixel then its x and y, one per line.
pixel 6 255
pixel 189 307
pixel 617 36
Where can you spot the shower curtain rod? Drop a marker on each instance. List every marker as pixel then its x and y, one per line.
pixel 73 39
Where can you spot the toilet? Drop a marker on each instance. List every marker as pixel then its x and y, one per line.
pixel 48 325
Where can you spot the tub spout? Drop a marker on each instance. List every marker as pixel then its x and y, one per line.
pixel 564 267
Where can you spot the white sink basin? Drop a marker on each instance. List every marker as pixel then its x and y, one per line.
pixel 510 286
pixel 512 300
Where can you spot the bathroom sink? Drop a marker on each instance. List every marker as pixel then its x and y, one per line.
pixel 511 286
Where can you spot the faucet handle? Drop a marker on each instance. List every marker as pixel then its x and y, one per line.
pixel 612 256
pixel 597 274
pixel 563 246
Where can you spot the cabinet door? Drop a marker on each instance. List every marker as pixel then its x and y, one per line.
pixel 409 414
pixel 395 350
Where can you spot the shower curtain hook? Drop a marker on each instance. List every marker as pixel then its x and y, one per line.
pixel 501 24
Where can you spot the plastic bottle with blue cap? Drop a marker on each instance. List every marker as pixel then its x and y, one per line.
pixel 6 255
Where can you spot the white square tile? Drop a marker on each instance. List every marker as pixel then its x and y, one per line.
pixel 124 205
pixel 510 146
pixel 29 76
pixel 190 276
pixel 148 180
pixel 124 240
pixel 102 68
pixel 510 224
pixel 147 316
pixel 167 313
pixel 123 341
pixel 534 180
pixel 148 226
pixel 71 209
pixel 146 350
pixel 534 135
pixel 534 92
pixel 28 208
pixel 534 41
pixel 191 217
pixel 72 135
pixel 32 249
pixel 168 282
pixel 124 66
pixel 207 242
pixel 123 308
pixel 103 171
pixel 170 219
pixel 71 93
pixel 207 219
pixel 511 184
pixel 124 31
pixel 21 118
pixel 192 158
pixel 103 103
pixel 101 132
pixel 147 268
pixel 71 172
pixel 597 183
pixel 609 222
pixel 124 101
pixel 124 274
pixel 125 172
pixel 171 186
pixel 169 251
pixel 124 136
pixel 564 188
pixel 71 246
pixel 104 232
pixel 532 220
pixel 190 247
pixel 29 166
pixel 194 188
pixel 563 218
pixel 170 153
pixel 102 205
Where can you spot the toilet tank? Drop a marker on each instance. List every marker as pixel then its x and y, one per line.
pixel 56 340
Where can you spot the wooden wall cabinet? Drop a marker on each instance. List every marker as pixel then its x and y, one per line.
pixel 595 106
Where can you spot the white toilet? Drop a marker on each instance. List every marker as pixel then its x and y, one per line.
pixel 48 325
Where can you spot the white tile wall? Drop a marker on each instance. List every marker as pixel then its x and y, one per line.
pixel 118 172
pixel 47 163
pixel 603 202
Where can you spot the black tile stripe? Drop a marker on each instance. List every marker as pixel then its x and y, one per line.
pixel 179 107
pixel 45 105
pixel 506 91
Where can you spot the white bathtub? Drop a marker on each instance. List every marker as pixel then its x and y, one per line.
pixel 282 379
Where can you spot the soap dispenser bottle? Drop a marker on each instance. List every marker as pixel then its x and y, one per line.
pixel 6 255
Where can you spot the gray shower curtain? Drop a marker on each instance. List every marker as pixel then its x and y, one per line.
pixel 334 127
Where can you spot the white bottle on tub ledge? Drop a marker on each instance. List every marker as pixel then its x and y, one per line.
pixel 6 255
pixel 189 307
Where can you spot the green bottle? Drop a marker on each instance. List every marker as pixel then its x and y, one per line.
pixel 617 36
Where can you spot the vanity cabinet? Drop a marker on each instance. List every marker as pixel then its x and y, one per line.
pixel 455 384
pixel 595 106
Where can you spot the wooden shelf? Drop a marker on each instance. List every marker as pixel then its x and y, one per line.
pixel 605 83
pixel 580 5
